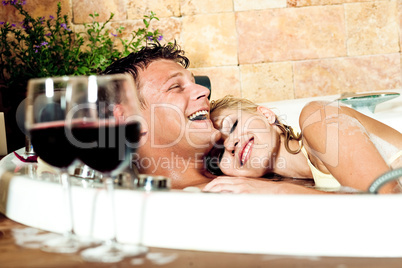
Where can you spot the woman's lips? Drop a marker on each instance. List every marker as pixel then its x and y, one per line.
pixel 245 154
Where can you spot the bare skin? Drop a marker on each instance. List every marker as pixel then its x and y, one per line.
pixel 172 144
pixel 338 140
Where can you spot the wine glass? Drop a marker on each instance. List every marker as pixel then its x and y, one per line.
pixel 45 120
pixel 105 131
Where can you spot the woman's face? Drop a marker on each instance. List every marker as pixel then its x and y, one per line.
pixel 249 142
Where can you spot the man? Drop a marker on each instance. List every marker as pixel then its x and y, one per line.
pixel 176 129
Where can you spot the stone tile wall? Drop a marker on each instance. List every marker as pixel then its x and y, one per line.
pixel 268 50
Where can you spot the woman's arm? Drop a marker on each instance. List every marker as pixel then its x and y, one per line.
pixel 256 186
pixel 337 141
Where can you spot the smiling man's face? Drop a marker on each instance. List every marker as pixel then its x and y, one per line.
pixel 177 109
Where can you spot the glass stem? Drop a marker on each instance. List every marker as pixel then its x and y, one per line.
pixel 66 184
pixel 142 218
pixel 110 194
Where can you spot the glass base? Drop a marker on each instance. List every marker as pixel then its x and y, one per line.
pixel 63 244
pixel 32 237
pixel 112 253
pixel 67 244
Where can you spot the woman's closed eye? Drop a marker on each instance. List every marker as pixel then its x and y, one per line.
pixel 227 127
pixel 234 126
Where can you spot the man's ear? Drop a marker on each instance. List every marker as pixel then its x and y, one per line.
pixel 268 113
pixel 118 111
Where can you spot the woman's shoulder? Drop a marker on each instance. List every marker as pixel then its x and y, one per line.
pixel 320 111
pixel 311 108
pixel 313 112
pixel 321 118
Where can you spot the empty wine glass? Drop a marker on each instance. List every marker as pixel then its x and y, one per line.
pixel 105 130
pixel 45 120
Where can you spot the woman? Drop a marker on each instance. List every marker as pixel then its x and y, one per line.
pixel 338 146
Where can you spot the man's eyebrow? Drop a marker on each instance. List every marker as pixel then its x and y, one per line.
pixel 173 75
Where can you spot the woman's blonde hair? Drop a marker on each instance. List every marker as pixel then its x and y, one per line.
pixel 231 102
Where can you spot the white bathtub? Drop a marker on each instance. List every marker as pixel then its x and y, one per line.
pixel 358 225
pixel 389 112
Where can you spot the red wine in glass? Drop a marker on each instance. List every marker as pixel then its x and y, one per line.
pixel 107 145
pixel 51 144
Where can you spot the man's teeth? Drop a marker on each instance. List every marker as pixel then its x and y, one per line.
pixel 200 115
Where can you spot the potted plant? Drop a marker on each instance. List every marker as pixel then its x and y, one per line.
pixel 48 46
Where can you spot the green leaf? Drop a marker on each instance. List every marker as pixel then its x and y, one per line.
pixel 23 53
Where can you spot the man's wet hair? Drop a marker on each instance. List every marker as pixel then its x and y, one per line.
pixel 141 59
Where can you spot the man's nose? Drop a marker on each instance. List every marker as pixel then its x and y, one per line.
pixel 199 92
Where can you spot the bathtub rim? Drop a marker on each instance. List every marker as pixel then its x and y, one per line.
pixel 217 217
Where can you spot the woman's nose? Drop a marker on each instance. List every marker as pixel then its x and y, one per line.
pixel 230 144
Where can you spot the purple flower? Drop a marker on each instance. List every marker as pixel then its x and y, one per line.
pixel 150 38
pixel 13 25
pixel 113 34
pixel 160 37
pixel 15 2
pixel 25 24
pixel 48 34
pixel 44 43
pixel 51 17
pixel 1 22
pixel 65 27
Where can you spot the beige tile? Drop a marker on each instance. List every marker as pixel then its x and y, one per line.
pixel 400 22
pixel 163 8
pixel 372 28
pixel 36 8
pixel 210 40
pixel 82 9
pixel 190 7
pixel 224 80
pixel 291 34
pixel 169 28
pixel 401 67
pixel 267 81
pixel 243 5
pixel 333 76
pixel 302 3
